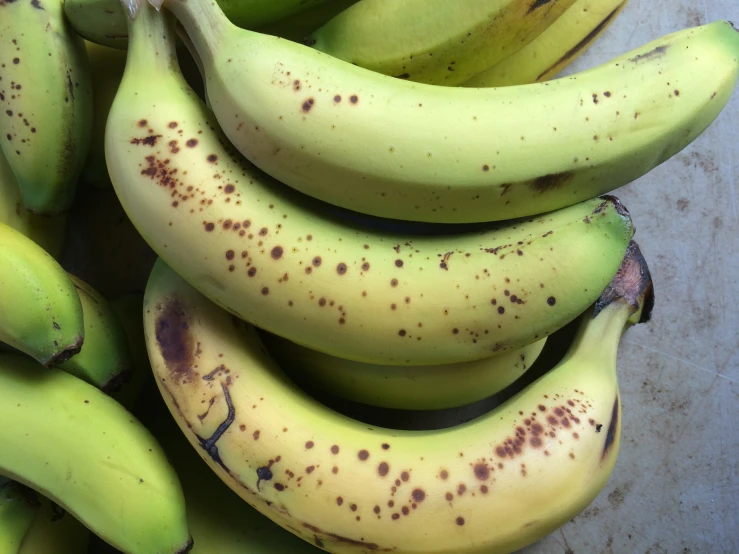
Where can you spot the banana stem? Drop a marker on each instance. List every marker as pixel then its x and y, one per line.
pixel 151 44
pixel 204 22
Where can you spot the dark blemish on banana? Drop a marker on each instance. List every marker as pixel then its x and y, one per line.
pixel 316 261
pixel 363 455
pixel 595 98
pixel 337 99
pixel 228 189
pixel 460 521
pixel 551 301
pixel 341 268
pixel 252 271
pixel 209 445
pixel 398 263
pixel 551 181
pixel 276 253
pixel 209 226
pixel 482 472
pixel 296 85
pixel 143 123
pixel 393 282
pixel 264 473
pixel 309 445
pixel 401 333
pixel 308 104
pixel 657 52
pixel 385 446
pixel 334 449
pixel 365 266
pixel 353 99
pixel 419 495
pixel 383 469
pixel 212 158
pixel 265 291
pixel 151 140
pixel 191 143
pixel 611 433
pixel 176 344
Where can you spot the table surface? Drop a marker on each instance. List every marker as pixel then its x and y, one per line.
pixel 675 488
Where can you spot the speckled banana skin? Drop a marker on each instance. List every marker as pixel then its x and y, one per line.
pixel 40 313
pixel 45 102
pixel 434 41
pixel 555 48
pixel 411 151
pixel 492 485
pixel 291 267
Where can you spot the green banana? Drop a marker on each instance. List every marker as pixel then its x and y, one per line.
pixel 54 531
pixel 431 387
pixel 46 101
pixel 392 148
pixel 297 27
pixel 41 313
pixel 104 21
pixel 72 443
pixel 289 266
pixel 528 466
pixel 555 48
pixel 18 507
pixel 46 231
pixel 104 360
pixel 129 308
pixel 434 41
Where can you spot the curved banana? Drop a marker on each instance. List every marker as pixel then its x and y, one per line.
pixel 528 466
pixel 291 267
pixel 80 448
pixel 18 507
pixel 434 41
pixel 430 387
pixel 403 150
pixel 555 48
pixel 104 21
pixel 45 101
pixel 104 360
pixel 40 313
pixel 107 64
pixel 46 231
pixel 54 531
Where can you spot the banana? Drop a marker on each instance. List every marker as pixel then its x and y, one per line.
pixel 297 27
pixel 104 360
pixel 528 466
pixel 41 313
pixel 54 531
pixel 107 65
pixel 72 443
pixel 392 148
pixel 104 21
pixel 18 507
pixel 129 308
pixel 431 387
pixel 46 231
pixel 434 41
pixel 289 266
pixel 46 102
pixel 555 48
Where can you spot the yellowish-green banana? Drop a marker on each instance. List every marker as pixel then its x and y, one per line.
pixel 291 267
pixel 555 48
pixel 104 21
pixel 430 387
pixel 72 443
pixel 45 102
pixel 129 308
pixel 411 151
pixel 434 41
pixel 104 360
pixel 297 27
pixel 40 313
pixel 18 507
pixel 54 531
pixel 46 231
pixel 492 485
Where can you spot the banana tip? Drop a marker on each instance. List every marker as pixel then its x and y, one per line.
pixel 188 546
pixel 64 355
pixel 632 283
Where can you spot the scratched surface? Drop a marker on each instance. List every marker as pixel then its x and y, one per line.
pixel 675 489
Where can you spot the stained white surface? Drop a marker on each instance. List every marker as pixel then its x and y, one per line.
pixel 675 488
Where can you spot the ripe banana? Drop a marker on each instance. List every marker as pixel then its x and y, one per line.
pixel 287 265
pixel 527 466
pixel 104 21
pixel 430 387
pixel 80 448
pixel 396 149
pixel 104 360
pixel 46 231
pixel 18 507
pixel 555 48
pixel 46 101
pixel 434 41
pixel 40 312
pixel 54 531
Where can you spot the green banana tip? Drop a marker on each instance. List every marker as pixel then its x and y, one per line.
pixel 632 283
pixel 188 546
pixel 71 350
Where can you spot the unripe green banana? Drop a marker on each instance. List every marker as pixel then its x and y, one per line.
pixel 46 231
pixel 54 531
pixel 40 313
pixel 291 267
pixel 410 151
pixel 130 309
pixel 80 448
pixel 104 21
pixel 104 360
pixel 492 485
pixel 18 507
pixel 45 102
pixel 555 48
pixel 430 387
pixel 297 27
pixel 434 41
